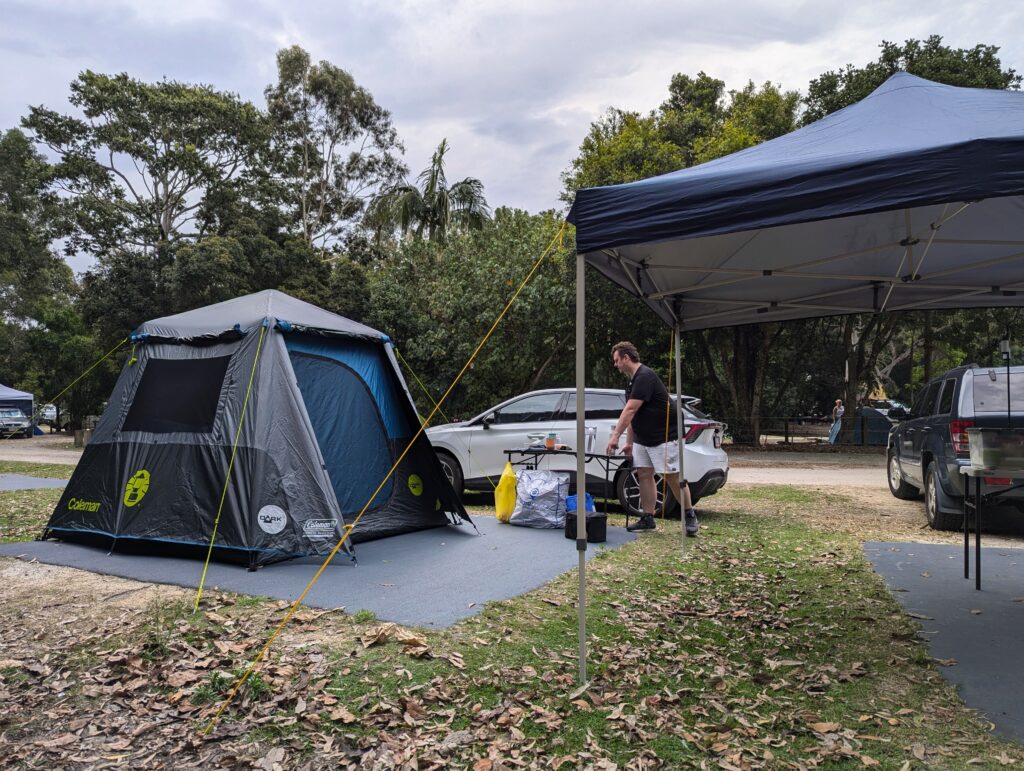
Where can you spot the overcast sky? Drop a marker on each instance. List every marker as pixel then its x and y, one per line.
pixel 513 85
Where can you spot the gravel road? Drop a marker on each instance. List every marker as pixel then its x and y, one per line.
pixel 746 467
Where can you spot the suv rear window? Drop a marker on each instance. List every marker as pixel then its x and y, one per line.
pixel 990 390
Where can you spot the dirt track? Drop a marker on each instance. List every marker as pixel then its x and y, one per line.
pixel 48 448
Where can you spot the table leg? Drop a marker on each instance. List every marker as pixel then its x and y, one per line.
pixel 967 537
pixel 977 533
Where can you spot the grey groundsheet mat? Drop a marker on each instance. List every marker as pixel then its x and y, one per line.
pixel 430 578
pixel 975 636
pixel 22 482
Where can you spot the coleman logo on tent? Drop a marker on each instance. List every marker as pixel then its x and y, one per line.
pixel 320 528
pixel 136 488
pixel 272 519
pixel 79 505
pixel 415 484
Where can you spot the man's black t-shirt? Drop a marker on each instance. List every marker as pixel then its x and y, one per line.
pixel 649 421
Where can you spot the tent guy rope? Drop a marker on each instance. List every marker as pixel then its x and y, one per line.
pixel 558 239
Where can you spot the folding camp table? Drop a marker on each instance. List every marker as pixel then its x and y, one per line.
pixel 975 501
pixel 530 457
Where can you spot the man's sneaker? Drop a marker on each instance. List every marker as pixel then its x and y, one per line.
pixel 692 525
pixel 646 522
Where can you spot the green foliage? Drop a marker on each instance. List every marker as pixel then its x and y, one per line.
pixel 977 67
pixel 622 147
pixel 60 349
pixel 32 276
pixel 754 116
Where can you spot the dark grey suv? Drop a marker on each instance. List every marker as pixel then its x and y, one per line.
pixel 929 444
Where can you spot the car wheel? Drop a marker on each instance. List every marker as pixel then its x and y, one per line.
pixel 897 484
pixel 937 519
pixel 452 470
pixel 627 489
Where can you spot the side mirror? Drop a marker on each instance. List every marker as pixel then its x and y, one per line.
pixel 488 419
pixel 898 413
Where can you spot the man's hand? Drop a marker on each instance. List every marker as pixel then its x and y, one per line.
pixel 627 448
pixel 613 446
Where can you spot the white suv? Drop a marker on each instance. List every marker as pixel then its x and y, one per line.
pixel 472 453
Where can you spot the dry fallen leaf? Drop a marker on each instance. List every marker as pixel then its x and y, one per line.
pixel 342 715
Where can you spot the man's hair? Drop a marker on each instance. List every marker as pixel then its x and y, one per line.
pixel 626 349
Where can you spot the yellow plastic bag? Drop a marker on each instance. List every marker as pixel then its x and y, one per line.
pixel 505 494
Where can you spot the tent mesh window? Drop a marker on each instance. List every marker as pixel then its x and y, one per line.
pixel 177 395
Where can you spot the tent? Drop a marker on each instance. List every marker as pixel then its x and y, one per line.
pixel 11 397
pixel 909 199
pixel 265 417
pixel 913 198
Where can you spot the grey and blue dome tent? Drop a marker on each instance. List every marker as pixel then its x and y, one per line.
pixel 279 415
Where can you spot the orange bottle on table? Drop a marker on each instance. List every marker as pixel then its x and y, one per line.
pixel 549 443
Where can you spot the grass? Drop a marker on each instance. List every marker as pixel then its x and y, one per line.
pixel 24 513
pixel 772 644
pixel 46 470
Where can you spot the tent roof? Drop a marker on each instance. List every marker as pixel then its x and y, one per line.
pixel 910 198
pixel 244 313
pixel 7 392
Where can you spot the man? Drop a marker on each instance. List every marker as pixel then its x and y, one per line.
pixel 644 420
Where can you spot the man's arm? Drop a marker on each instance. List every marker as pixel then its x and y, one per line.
pixel 624 422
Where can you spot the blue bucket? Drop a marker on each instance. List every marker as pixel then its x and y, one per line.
pixel 570 504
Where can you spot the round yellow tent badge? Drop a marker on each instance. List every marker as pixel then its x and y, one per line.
pixel 136 488
pixel 415 484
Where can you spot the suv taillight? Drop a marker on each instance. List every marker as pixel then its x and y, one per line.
pixel 694 430
pixel 958 433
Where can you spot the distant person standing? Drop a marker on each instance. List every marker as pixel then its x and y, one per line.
pixel 837 421
pixel 643 421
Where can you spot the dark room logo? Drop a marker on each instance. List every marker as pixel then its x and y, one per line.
pixel 272 519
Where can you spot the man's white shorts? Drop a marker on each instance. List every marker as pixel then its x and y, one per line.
pixel 663 458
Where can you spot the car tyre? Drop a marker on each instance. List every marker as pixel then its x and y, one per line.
pixel 452 470
pixel 937 519
pixel 897 484
pixel 627 489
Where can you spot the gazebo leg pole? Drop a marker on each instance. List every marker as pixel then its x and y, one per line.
pixel 581 460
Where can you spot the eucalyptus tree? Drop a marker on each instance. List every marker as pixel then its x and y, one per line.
pixel 431 208
pixel 139 161
pixel 334 147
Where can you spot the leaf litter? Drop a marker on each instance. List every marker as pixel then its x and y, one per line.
pixel 730 660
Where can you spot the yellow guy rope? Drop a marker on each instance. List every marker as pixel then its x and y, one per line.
pixel 420 384
pixel 231 463
pixel 348 528
pixel 434 403
pixel 71 385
